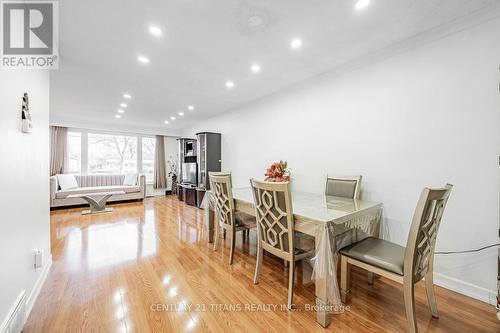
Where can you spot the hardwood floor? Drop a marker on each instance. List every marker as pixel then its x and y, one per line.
pixel 123 271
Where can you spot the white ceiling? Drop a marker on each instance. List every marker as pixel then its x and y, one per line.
pixel 205 43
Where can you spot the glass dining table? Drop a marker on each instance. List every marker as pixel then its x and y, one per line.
pixel 324 218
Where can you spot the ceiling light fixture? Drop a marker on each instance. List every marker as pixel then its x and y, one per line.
pixel 255 68
pixel 121 111
pixel 229 84
pixel 180 113
pixel 155 31
pixel 296 43
pixel 143 59
pixel 166 122
pixel 117 116
pixel 127 96
pixel 123 105
pixel 172 118
pixel 190 107
pixel 362 4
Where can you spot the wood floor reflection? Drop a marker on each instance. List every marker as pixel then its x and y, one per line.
pixel 147 267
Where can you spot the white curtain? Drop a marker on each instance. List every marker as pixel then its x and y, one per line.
pixel 160 179
pixel 58 149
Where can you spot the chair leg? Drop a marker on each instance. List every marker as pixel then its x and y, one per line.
pixel 345 275
pixel 370 278
pixel 431 297
pixel 216 236
pixel 233 241
pixel 224 233
pixel 409 297
pixel 291 277
pixel 258 263
pixel 243 235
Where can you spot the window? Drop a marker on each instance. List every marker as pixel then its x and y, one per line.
pixel 107 153
pixel 74 152
pixel 148 158
pixel 112 154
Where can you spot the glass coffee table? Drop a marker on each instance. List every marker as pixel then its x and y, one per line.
pixel 97 201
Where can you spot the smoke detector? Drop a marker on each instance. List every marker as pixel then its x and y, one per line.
pixel 255 21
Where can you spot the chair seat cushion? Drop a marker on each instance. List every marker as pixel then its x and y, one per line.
pixel 377 252
pixel 244 220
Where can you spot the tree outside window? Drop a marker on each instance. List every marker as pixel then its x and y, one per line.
pixel 112 154
pixel 148 158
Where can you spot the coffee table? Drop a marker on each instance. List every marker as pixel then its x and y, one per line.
pixel 97 201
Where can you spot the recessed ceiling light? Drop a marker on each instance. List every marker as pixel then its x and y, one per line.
pixel 155 31
pixel 121 111
pixel 123 105
pixel 229 84
pixel 296 43
pixel 172 118
pixel 117 116
pixel 166 122
pixel 255 68
pixel 190 107
pixel 127 96
pixel 143 59
pixel 362 4
pixel 180 113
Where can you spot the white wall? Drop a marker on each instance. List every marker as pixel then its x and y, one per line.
pixel 24 182
pixel 424 117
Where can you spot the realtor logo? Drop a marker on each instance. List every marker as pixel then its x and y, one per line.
pixel 29 36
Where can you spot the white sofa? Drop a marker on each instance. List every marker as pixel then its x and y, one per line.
pixel 96 184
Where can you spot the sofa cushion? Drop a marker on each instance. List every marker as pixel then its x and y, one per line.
pixel 97 189
pixel 67 182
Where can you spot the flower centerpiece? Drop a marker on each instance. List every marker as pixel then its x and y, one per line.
pixel 278 172
pixel 173 174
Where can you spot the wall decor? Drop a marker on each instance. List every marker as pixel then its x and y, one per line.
pixel 26 115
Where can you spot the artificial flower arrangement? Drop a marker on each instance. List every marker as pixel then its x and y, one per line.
pixel 278 172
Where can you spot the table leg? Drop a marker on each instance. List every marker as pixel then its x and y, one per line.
pixel 210 216
pixel 323 317
pixel 97 206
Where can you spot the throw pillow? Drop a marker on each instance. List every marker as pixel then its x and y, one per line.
pixel 67 182
pixel 130 180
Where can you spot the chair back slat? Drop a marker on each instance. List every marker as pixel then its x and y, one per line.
pixel 343 186
pixel 419 255
pixel 224 201
pixel 273 211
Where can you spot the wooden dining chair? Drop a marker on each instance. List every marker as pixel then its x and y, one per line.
pixel 246 233
pixel 230 220
pixel 404 265
pixel 276 228
pixel 346 187
pixel 343 186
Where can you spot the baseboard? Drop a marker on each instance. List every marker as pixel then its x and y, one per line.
pixel 465 288
pixel 35 291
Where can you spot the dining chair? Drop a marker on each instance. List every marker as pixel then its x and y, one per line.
pixel 343 186
pixel 276 228
pixel 346 187
pixel 230 220
pixel 407 265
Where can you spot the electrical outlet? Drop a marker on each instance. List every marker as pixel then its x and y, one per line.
pixel 38 258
